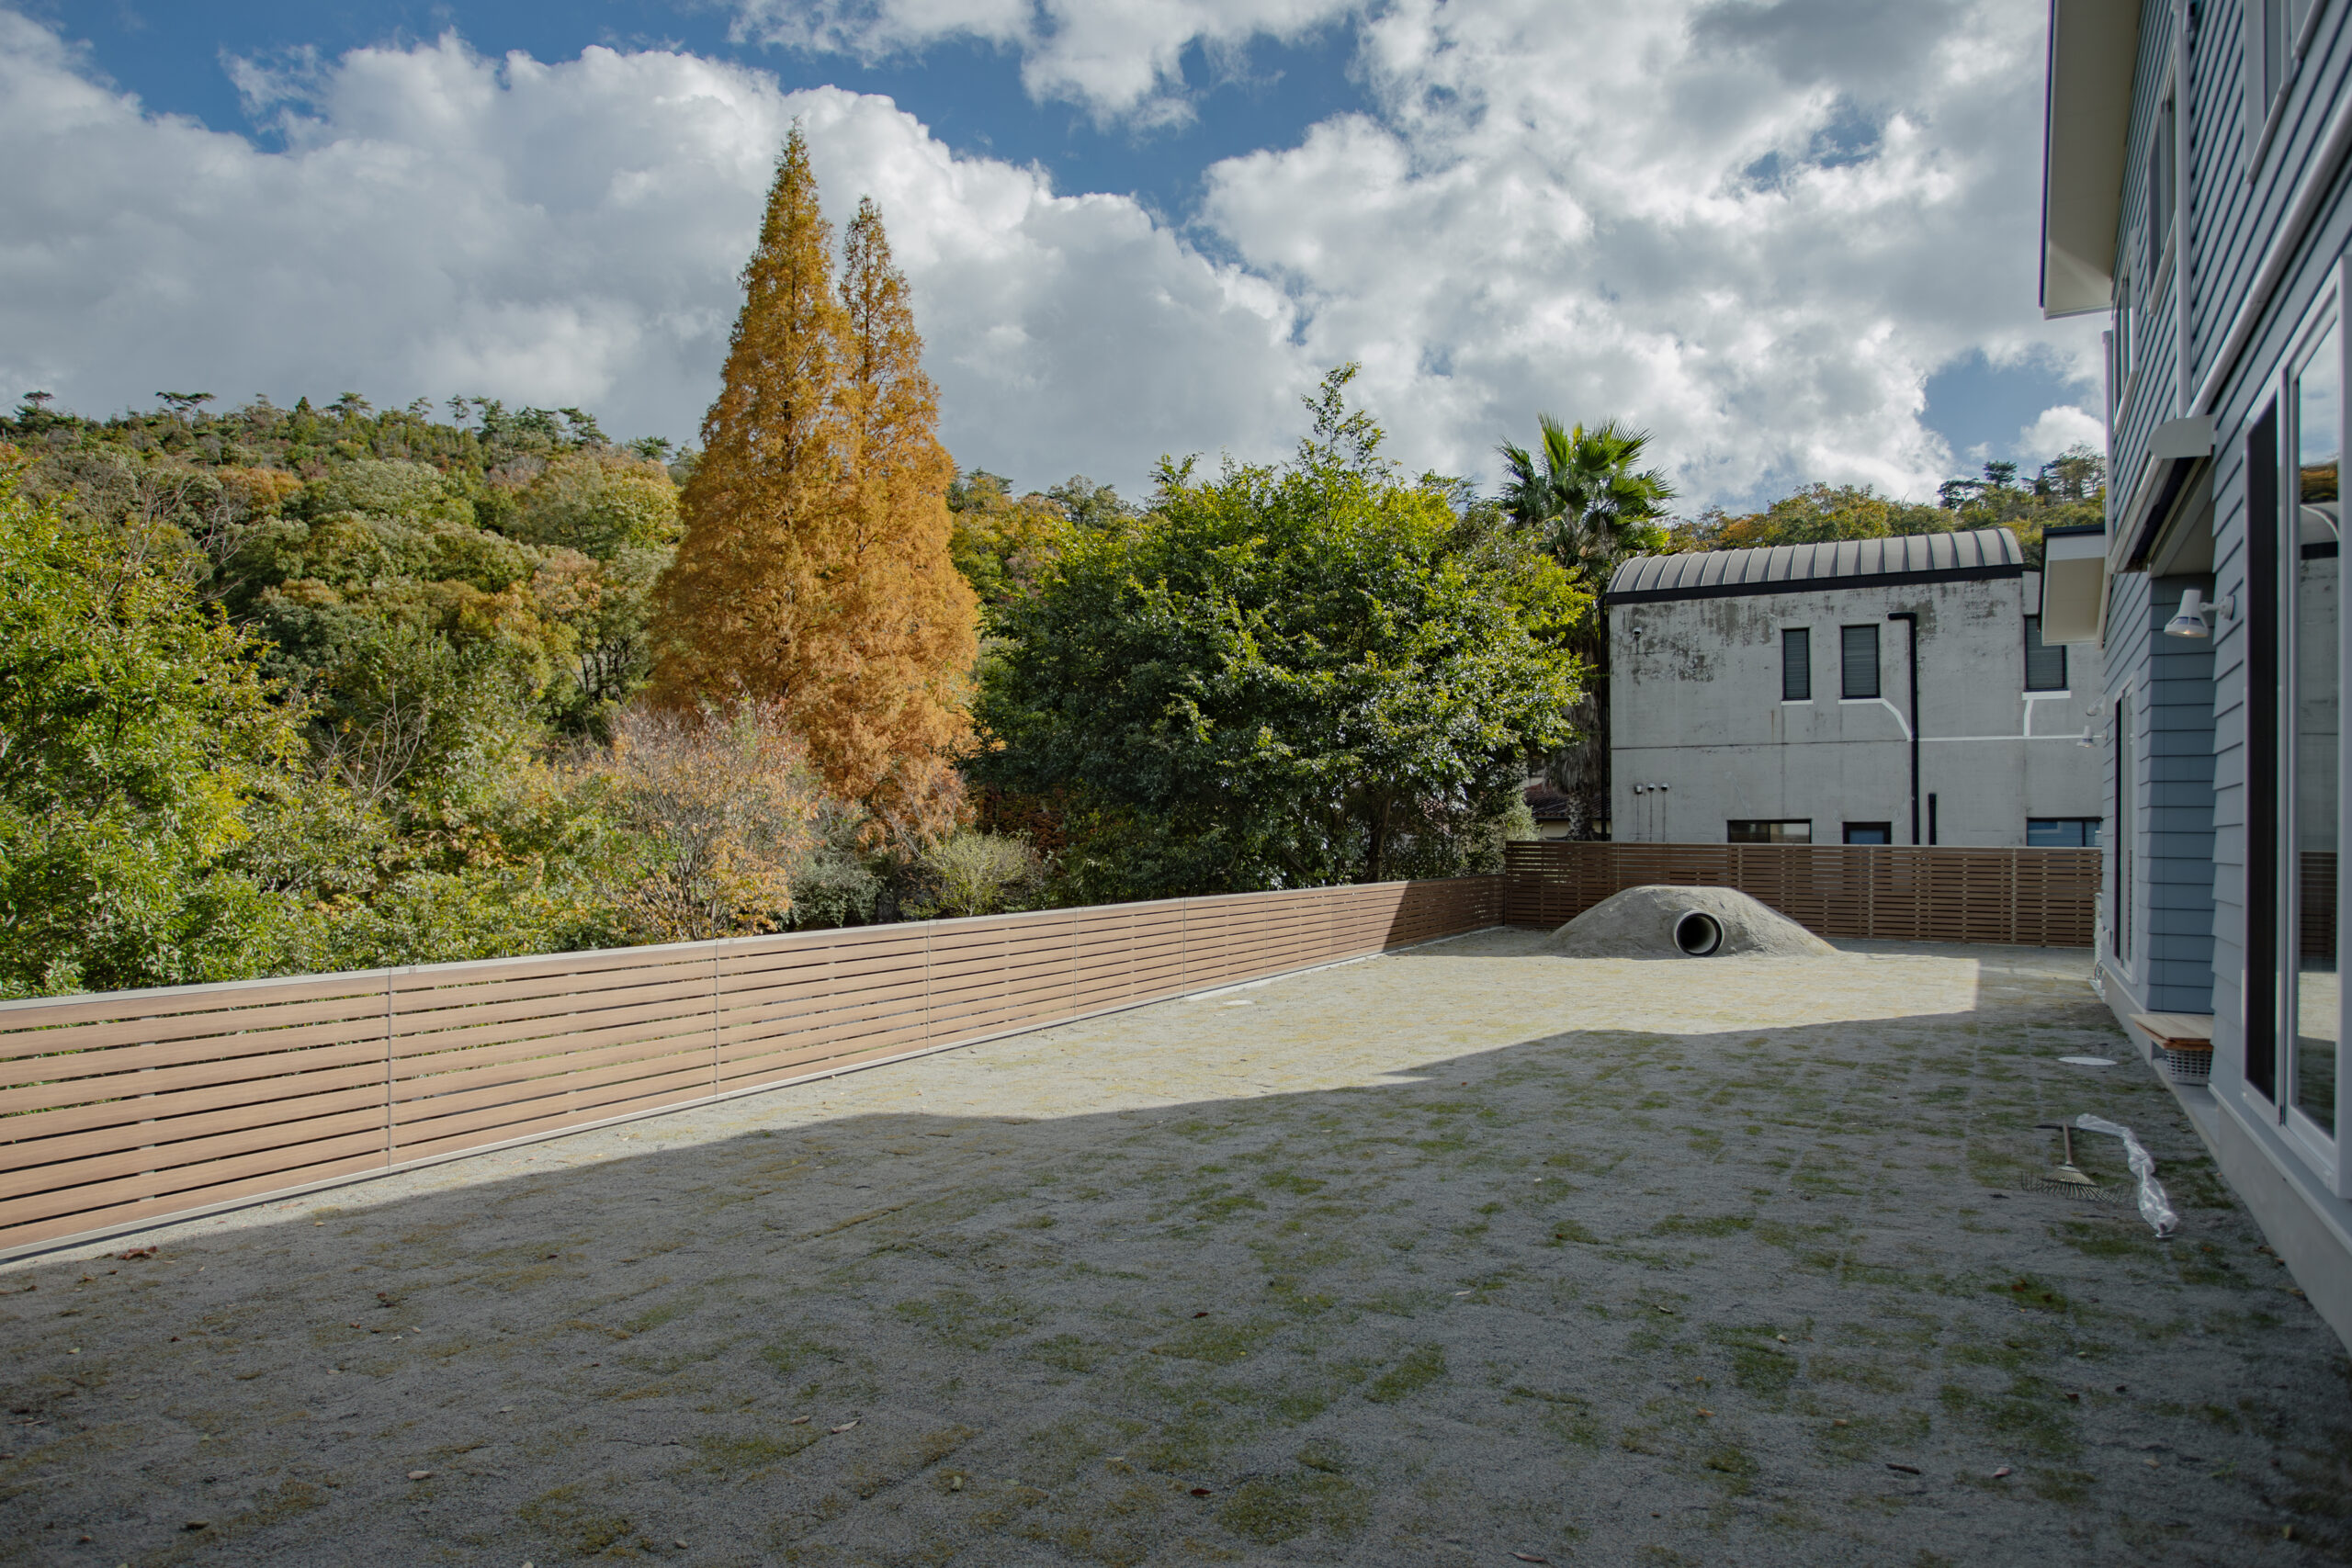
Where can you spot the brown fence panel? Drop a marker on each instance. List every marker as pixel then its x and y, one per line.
pixel 482 1053
pixel 792 1006
pixel 123 1108
pixel 1901 893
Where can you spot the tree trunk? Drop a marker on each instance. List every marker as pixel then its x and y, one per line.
pixel 1580 769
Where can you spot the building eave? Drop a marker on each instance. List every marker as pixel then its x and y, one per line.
pixel 2086 124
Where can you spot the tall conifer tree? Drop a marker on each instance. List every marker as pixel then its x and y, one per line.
pixel 815 572
pixel 909 618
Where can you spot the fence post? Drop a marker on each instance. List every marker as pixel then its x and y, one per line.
pixel 387 1068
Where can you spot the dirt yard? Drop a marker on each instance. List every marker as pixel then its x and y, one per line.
pixel 1465 1255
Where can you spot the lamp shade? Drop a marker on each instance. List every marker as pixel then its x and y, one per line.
pixel 2190 620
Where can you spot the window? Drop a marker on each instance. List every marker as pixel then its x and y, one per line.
pixel 2161 187
pixel 2119 345
pixel 2120 935
pixel 1869 832
pixel 2311 660
pixel 2262 639
pixel 2045 663
pixel 1753 832
pixel 1796 665
pixel 1858 650
pixel 2273 30
pixel 2061 833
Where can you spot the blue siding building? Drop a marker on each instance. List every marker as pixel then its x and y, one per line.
pixel 2195 192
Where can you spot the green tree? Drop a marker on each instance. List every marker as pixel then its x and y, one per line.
pixel 1819 514
pixel 599 502
pixel 2070 489
pixel 1585 496
pixel 134 724
pixel 1279 677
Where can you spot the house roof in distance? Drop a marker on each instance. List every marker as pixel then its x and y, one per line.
pixel 1802 568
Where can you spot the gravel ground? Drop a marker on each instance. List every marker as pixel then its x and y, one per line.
pixel 1469 1255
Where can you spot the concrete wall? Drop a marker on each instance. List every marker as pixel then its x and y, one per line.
pixel 1696 706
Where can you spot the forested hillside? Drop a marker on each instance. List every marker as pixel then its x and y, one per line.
pixel 2070 489
pixel 328 686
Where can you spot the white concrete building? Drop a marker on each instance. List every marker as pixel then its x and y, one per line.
pixel 1876 690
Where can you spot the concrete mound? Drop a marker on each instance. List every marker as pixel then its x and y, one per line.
pixel 1684 923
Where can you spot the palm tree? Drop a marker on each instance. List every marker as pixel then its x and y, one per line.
pixel 1585 495
pixel 1593 507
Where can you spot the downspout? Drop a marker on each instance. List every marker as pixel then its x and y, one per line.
pixel 1911 619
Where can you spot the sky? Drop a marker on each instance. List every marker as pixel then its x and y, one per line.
pixel 1793 240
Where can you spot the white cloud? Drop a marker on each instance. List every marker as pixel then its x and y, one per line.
pixel 2057 429
pixel 1706 221
pixel 1754 229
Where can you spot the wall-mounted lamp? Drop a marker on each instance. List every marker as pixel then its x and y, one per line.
pixel 2192 619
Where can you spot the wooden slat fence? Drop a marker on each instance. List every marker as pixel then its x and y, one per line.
pixel 124 1108
pixel 2032 897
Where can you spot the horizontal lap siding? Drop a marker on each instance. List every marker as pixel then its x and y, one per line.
pixel 2034 898
pixel 142 1104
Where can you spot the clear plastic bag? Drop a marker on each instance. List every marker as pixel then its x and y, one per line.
pixel 2154 1207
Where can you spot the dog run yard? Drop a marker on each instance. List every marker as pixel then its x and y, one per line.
pixel 1462 1255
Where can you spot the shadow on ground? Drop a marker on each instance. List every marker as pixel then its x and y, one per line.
pixel 1769 1296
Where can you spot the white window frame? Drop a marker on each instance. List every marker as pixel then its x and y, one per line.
pixel 2329 1155
pixel 2290 23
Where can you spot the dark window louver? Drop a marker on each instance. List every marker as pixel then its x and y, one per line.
pixel 2045 666
pixel 1859 660
pixel 1796 665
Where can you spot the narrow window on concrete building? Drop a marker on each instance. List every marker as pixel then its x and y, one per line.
pixel 2045 664
pixel 1858 650
pixel 1869 832
pixel 2061 833
pixel 1752 830
pixel 1796 665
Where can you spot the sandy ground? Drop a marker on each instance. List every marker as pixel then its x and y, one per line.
pixel 1461 1256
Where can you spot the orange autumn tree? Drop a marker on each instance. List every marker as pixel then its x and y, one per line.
pixel 815 572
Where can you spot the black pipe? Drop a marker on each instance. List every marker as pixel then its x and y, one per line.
pixel 1911 618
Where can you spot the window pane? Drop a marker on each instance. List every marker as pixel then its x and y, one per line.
pixel 1859 646
pixel 1754 831
pixel 2276 25
pixel 2315 652
pixel 1796 665
pixel 1869 832
pixel 2061 833
pixel 2045 666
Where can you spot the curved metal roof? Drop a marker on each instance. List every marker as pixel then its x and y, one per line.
pixel 1789 569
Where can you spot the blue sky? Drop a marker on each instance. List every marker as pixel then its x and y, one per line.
pixel 1793 239
pixel 967 90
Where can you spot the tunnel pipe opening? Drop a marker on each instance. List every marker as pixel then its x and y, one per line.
pixel 1698 934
